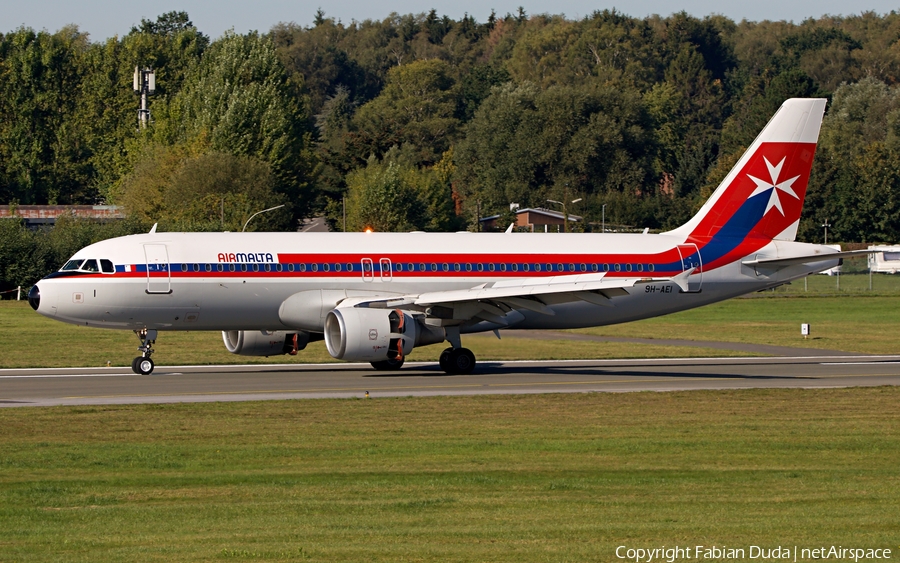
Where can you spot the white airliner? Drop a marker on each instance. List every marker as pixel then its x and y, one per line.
pixel 373 297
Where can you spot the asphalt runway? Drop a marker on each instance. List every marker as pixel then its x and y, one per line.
pixel 175 384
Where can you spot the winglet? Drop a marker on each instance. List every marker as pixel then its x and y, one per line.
pixel 681 280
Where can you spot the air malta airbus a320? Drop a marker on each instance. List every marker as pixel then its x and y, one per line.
pixel 373 297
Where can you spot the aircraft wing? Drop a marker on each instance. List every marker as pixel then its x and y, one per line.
pixel 491 301
pixel 808 259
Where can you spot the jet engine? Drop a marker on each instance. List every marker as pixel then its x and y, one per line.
pixel 264 342
pixel 375 335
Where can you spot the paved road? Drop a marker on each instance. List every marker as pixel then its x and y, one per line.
pixel 99 386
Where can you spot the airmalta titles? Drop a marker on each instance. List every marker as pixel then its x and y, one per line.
pixel 242 257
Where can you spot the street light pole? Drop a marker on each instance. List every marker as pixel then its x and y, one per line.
pixel 603 228
pixel 565 212
pixel 263 211
pixel 826 224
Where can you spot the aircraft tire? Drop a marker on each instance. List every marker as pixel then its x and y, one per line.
pixel 444 358
pixel 134 365
pixel 387 365
pixel 144 365
pixel 460 361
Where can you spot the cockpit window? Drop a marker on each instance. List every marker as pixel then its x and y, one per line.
pixel 89 265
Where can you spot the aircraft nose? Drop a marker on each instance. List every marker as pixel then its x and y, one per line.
pixel 34 297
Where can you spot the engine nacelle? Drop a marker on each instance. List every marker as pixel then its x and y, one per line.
pixel 264 343
pixel 306 310
pixel 373 335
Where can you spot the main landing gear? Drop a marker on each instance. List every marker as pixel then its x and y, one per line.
pixel 454 361
pixel 142 364
pixel 457 361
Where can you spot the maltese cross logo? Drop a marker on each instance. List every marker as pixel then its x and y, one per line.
pixel 774 185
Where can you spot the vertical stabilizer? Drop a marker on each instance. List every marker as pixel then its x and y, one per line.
pixel 760 200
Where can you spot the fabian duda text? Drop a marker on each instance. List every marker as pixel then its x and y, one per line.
pixel 672 554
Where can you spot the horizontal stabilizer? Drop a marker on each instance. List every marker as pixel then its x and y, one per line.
pixel 808 259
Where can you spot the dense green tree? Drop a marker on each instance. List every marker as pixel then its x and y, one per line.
pixel 201 191
pixel 42 157
pixel 526 144
pixel 383 196
pixel 645 115
pixel 317 60
pixel 416 107
pixel 476 86
pixel 394 195
pixel 67 108
pixel 27 255
pixel 856 177
pixel 239 99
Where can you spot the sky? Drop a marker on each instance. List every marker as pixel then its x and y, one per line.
pixel 105 18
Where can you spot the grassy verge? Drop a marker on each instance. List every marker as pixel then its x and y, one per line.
pixel 856 281
pixel 490 478
pixel 868 324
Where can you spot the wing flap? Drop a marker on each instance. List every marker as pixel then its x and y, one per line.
pixel 494 301
pixel 526 289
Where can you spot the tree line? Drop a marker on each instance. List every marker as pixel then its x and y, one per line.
pixel 420 121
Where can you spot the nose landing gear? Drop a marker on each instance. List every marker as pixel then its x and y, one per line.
pixel 142 364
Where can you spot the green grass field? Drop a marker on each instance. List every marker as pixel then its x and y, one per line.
pixel 487 478
pixel 845 284
pixel 853 322
pixel 564 477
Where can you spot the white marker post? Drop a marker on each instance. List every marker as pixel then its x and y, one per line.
pixel 804 330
